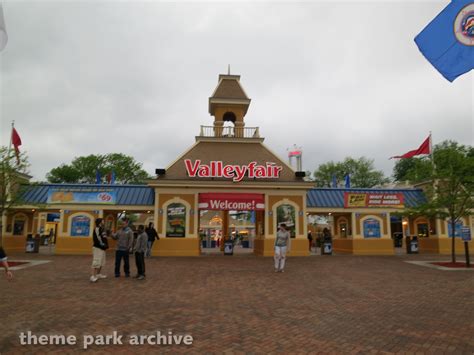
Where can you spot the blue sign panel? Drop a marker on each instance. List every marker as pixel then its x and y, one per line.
pixel 457 229
pixel 72 196
pixel 80 226
pixel 466 234
pixel 371 228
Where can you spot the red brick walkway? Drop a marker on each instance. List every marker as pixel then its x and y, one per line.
pixel 330 304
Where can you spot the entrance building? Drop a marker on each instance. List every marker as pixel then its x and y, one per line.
pixel 227 185
pixel 229 171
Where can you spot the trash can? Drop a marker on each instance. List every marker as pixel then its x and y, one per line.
pixel 327 248
pixel 414 246
pixel 228 248
pixel 32 245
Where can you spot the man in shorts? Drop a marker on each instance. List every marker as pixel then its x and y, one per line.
pixel 98 250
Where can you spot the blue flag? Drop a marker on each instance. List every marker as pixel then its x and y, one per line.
pixel 97 176
pixel 113 177
pixel 334 181
pixel 448 40
pixel 347 180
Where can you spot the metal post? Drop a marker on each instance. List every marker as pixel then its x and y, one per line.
pixel 466 250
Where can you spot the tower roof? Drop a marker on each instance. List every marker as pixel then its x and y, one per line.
pixel 228 92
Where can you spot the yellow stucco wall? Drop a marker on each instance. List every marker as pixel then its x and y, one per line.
pixel 442 246
pixel 14 244
pixel 364 246
pixel 176 247
pixel 265 247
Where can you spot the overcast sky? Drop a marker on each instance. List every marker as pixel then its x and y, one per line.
pixel 336 78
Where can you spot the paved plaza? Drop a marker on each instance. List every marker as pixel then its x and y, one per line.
pixel 236 304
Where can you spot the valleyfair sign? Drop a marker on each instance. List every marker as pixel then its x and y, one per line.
pixel 235 172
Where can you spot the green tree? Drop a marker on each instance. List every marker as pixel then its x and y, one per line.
pixel 83 170
pixel 450 193
pixel 13 177
pixel 412 170
pixel 362 173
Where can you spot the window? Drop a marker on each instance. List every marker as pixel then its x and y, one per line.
pixel 176 220
pixel 423 230
pixel 80 226
pixel 19 225
pixel 371 228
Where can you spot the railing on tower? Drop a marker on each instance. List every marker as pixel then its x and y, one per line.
pixel 229 132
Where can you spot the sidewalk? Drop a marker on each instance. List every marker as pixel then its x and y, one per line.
pixel 331 304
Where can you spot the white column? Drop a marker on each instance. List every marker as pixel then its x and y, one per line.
pixel 353 225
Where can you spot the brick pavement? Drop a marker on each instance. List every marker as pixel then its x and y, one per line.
pixel 330 304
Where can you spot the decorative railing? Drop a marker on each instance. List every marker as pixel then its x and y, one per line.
pixel 229 131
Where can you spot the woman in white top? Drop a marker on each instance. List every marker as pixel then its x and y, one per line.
pixel 282 245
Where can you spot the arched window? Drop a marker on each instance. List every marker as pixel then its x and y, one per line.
pixel 19 224
pixel 229 117
pixel 176 220
pixel 286 214
pixel 371 228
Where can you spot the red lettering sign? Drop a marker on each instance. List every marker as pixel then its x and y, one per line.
pixel 234 172
pixel 231 201
pixel 372 199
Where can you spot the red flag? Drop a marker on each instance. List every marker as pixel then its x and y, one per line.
pixel 424 148
pixel 16 141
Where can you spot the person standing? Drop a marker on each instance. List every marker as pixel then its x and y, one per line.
pixel 124 239
pixel 310 239
pixel 4 261
pixel 282 245
pixel 152 235
pixel 140 250
pixel 100 245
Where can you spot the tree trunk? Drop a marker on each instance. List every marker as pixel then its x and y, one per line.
pixel 453 240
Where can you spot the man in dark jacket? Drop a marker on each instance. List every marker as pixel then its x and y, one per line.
pixel 152 235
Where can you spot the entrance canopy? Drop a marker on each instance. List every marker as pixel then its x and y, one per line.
pixel 231 201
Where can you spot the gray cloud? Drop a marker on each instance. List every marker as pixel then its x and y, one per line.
pixel 339 79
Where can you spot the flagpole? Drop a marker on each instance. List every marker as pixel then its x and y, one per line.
pixel 11 136
pixel 431 151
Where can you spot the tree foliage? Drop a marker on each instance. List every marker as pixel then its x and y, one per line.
pixel 13 177
pixel 412 170
pixel 362 173
pixel 451 188
pixel 83 169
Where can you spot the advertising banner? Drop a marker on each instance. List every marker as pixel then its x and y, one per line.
pixel 176 220
pixel 82 196
pixel 231 201
pixel 373 199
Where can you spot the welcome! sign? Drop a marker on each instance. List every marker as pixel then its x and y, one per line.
pixel 235 172
pixel 231 201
